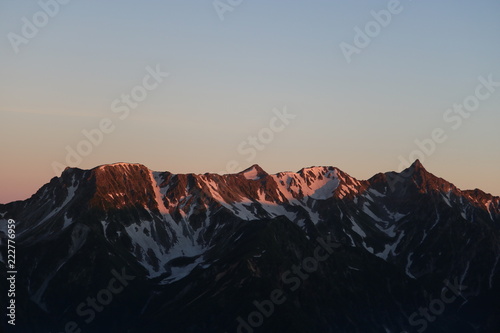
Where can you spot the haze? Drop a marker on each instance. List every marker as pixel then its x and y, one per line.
pixel 230 84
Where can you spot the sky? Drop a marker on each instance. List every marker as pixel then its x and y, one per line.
pixel 216 86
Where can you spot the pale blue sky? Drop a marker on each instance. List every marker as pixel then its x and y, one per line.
pixel 227 76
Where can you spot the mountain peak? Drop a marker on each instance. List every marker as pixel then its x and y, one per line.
pixel 424 179
pixel 180 243
pixel 119 165
pixel 417 167
pixel 255 172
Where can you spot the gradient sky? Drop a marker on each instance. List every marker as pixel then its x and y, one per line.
pixel 226 77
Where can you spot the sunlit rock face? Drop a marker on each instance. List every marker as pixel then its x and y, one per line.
pixel 200 251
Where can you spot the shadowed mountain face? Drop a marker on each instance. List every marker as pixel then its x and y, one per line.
pixel 120 248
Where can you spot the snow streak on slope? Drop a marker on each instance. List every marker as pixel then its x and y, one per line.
pixel 155 255
pixel 169 215
pixel 155 181
pixel 316 182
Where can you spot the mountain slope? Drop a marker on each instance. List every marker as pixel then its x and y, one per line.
pixel 202 248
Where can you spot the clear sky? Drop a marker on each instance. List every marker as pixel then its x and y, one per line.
pixel 360 96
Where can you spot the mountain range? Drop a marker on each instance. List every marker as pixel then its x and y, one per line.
pixel 121 248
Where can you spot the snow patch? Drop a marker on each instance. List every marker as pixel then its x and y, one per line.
pixel 252 173
pixel 155 181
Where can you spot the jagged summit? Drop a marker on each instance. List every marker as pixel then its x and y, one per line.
pixel 417 167
pixel 417 164
pixel 211 239
pixel 415 175
pixel 120 165
pixel 255 172
pixel 425 180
